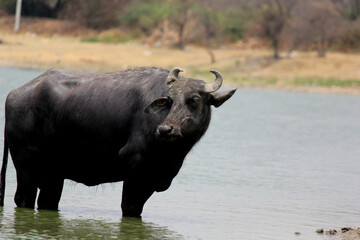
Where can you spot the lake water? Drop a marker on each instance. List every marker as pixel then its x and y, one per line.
pixel 271 164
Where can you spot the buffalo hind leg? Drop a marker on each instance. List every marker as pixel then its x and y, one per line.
pixel 26 188
pixel 50 193
pixel 135 194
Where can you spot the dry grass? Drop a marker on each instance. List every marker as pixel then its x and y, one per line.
pixel 338 73
pixel 33 51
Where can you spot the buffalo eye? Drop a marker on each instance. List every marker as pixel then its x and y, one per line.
pixel 163 102
pixel 158 105
pixel 193 102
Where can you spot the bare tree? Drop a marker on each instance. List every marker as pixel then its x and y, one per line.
pixel 354 12
pixel 318 22
pixel 209 33
pixel 273 17
pixel 206 18
pixel 180 17
pixel 93 13
pixel 351 7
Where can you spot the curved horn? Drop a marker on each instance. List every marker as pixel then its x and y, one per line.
pixel 212 87
pixel 173 75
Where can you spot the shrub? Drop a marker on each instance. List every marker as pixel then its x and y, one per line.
pixel 144 15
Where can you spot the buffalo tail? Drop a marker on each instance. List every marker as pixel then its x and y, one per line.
pixel 3 171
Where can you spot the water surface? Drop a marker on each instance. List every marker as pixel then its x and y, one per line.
pixel 271 164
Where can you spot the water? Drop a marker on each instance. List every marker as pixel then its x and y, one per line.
pixel 271 164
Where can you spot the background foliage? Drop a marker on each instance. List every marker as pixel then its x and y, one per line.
pixel 283 24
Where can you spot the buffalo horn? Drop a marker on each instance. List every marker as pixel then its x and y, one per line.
pixel 173 75
pixel 212 87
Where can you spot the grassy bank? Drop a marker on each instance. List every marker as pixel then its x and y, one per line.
pixel 338 73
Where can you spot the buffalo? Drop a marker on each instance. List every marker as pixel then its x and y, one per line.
pixel 135 126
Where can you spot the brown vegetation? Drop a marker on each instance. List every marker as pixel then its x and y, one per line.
pixel 45 26
pixel 286 24
pixel 52 43
pixel 338 73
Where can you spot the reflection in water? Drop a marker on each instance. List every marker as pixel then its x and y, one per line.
pixel 30 223
pixel 43 224
pixel 135 228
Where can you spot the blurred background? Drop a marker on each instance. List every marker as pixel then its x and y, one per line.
pixel 272 163
pixel 308 45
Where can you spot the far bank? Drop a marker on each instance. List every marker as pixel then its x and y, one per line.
pixel 242 67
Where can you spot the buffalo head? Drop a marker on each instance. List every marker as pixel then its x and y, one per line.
pixel 187 105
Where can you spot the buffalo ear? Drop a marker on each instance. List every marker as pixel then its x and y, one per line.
pixel 158 105
pixel 217 99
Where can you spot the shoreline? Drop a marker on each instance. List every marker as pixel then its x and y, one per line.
pixel 243 68
pixel 345 233
pixel 311 90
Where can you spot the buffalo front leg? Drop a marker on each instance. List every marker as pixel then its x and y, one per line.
pixel 26 188
pixel 50 193
pixel 135 194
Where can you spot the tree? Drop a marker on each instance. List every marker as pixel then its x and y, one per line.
pixel 319 22
pixel 273 17
pixel 179 17
pixel 207 18
pixel 94 13
pixel 354 9
pixel 351 7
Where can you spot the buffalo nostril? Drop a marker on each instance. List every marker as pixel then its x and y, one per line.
pixel 163 130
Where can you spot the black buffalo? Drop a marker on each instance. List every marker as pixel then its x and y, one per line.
pixel 134 126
